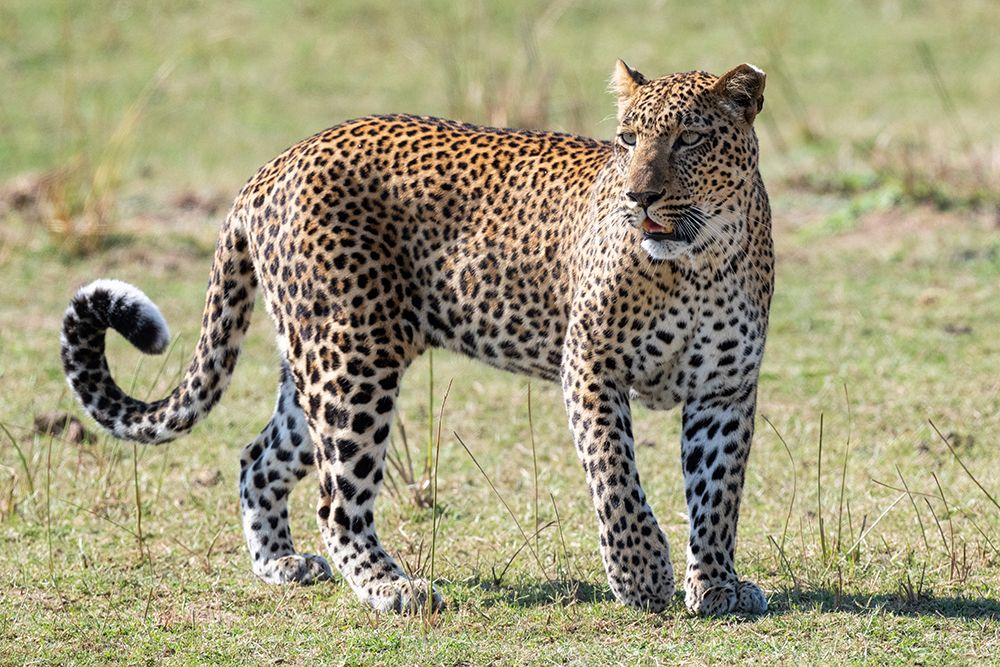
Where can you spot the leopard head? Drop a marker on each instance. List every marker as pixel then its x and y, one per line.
pixel 687 153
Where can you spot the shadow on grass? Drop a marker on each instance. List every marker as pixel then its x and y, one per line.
pixel 568 591
pixel 537 594
pixel 828 601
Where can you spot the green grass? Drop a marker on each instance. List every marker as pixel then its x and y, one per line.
pixel 906 324
pixel 885 317
pixel 249 79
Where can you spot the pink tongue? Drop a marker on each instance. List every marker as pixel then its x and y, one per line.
pixel 649 226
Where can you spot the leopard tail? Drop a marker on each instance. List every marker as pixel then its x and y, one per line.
pixel 114 304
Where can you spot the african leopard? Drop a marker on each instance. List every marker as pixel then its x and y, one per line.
pixel 636 268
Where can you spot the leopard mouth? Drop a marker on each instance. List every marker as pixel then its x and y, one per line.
pixel 656 231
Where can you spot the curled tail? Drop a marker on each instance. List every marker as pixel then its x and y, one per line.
pixel 124 308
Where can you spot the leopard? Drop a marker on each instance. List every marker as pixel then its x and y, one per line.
pixel 638 268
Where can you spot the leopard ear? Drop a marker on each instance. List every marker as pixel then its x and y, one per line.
pixel 743 90
pixel 625 81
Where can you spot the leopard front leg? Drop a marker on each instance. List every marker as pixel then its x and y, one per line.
pixel 635 551
pixel 270 467
pixel 715 447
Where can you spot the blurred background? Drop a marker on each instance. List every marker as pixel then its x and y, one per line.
pixel 132 103
pixel 126 128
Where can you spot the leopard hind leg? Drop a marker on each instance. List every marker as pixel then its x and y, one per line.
pixel 270 467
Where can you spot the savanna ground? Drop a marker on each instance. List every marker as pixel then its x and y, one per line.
pixel 124 129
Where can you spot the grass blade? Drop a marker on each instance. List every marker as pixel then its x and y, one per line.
pixel 920 521
pixel 962 463
pixel 791 503
pixel 843 471
pixel 21 457
pixel 506 506
pixel 434 498
pixel 534 462
pixel 819 489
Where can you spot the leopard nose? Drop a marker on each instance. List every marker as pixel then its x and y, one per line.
pixel 645 199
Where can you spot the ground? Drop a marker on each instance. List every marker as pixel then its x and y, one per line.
pixel 885 319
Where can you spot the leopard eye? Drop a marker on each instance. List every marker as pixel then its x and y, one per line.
pixel 689 138
pixel 627 138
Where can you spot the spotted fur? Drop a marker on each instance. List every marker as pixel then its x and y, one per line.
pixel 635 269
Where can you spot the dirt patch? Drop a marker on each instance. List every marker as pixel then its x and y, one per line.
pixel 177 234
pixel 158 255
pixel 28 194
pixel 881 229
pixel 893 224
pixel 36 210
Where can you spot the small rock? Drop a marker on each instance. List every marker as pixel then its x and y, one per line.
pixel 200 202
pixel 957 329
pixel 960 441
pixel 66 425
pixel 208 477
pixel 930 296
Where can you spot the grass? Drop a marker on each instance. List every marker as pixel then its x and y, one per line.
pixel 900 83
pixel 921 350
pixel 883 335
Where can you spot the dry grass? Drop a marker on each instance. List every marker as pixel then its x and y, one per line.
pixel 126 548
pixel 883 545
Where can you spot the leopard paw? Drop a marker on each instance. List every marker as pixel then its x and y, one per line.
pixel 738 597
pixel 404 596
pixel 303 569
